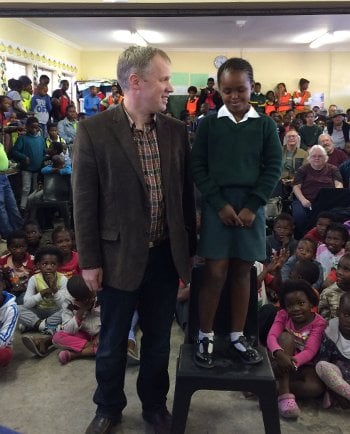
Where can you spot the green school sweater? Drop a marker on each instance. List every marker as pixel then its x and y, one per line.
pixel 247 154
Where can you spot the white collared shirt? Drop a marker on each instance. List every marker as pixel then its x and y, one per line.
pixel 224 112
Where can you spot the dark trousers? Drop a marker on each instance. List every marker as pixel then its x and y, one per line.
pixel 155 300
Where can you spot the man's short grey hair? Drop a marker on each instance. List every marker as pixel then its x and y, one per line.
pixel 136 60
pixel 324 135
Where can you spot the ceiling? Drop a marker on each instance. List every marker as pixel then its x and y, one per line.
pixel 265 33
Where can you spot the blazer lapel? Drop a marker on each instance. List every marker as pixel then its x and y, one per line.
pixel 122 134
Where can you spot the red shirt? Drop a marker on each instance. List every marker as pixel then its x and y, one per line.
pixel 314 235
pixel 71 267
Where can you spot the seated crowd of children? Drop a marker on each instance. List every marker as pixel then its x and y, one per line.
pixel 304 306
pixel 42 291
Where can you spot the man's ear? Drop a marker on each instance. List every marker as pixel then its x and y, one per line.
pixel 134 81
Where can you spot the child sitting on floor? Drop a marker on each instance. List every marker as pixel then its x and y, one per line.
pixel 62 239
pixel 305 251
pixel 8 320
pixel 332 275
pixel 333 367
pixel 282 237
pixel 17 265
pixel 46 291
pixel 329 299
pixel 317 234
pixel 294 340
pixel 329 253
pixel 80 323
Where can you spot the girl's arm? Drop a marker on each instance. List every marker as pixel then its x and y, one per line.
pixel 69 322
pixel 313 342
pixel 276 330
pixel 31 297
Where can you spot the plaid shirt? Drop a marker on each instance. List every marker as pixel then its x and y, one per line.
pixel 146 142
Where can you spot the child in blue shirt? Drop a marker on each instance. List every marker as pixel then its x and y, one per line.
pixel 29 151
pixel 41 106
pixel 92 102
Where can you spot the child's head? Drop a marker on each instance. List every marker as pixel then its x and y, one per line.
pixel 32 126
pixel 26 82
pixel 210 83
pixel 62 239
pixel 306 270
pixel 5 103
pixel 44 79
pixel 283 226
pixel 57 161
pixel 17 245
pixel 270 95
pixel 343 272
pixel 257 87
pixel 236 83
pixel 297 297
pixel 192 91
pixel 78 289
pixel 305 250
pixel 336 237
pixel 52 131
pixel 56 148
pixel 71 112
pixel 93 90
pixel 204 108
pixel 344 315
pixel 33 232
pixel 324 219
pixel 48 259
pixel 42 89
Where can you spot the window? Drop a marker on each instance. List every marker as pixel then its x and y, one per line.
pixel 15 69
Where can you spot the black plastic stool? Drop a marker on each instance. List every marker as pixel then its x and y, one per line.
pixel 227 374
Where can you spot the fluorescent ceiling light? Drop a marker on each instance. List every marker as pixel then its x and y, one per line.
pixel 151 36
pixel 130 38
pixel 330 38
pixel 306 38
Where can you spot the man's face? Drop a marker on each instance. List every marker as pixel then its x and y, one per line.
pixel 154 86
pixel 338 120
pixel 327 143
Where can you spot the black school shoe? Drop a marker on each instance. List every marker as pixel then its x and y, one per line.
pixel 250 356
pixel 204 359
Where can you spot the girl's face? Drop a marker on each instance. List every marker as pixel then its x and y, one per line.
pixel 334 241
pixel 48 264
pixel 305 251
pixel 18 248
pixel 322 224
pixel 63 241
pixel 235 88
pixel 344 318
pixel 343 273
pixel 298 307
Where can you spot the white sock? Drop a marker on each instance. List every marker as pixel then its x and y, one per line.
pixel 234 336
pixel 210 336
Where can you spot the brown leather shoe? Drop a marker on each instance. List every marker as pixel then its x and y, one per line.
pixel 101 425
pixel 160 421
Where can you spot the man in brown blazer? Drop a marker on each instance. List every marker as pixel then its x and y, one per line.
pixel 135 230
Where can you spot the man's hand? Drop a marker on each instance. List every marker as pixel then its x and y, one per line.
pixel 93 278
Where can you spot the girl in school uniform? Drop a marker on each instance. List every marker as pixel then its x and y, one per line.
pixel 236 163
